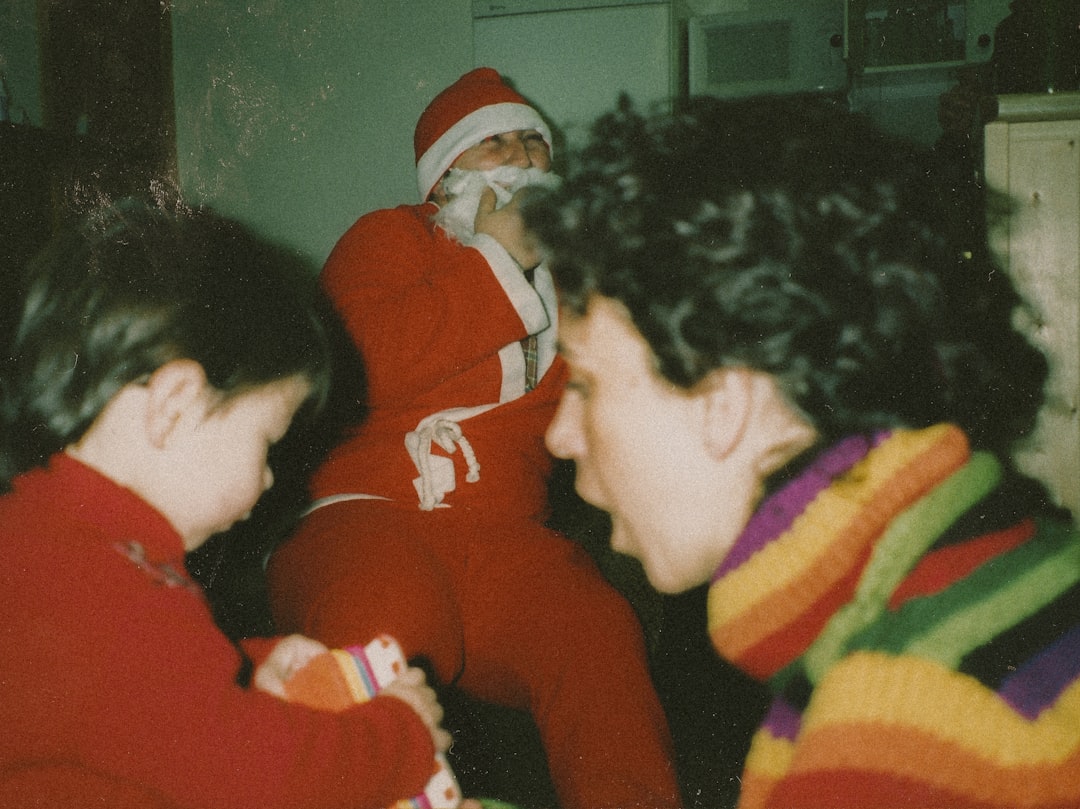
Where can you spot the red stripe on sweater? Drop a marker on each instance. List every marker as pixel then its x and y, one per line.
pixel 942 568
pixel 772 653
pixel 867 790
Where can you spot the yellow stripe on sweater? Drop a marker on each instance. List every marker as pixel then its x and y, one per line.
pixel 878 717
pixel 872 688
pixel 774 586
pixel 769 757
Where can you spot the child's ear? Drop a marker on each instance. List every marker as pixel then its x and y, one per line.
pixel 174 390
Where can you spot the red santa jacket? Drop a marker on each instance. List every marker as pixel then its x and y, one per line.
pixel 439 326
pixel 118 690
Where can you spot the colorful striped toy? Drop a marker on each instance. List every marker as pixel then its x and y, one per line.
pixel 341 678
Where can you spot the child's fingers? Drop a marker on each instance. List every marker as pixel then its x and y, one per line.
pixel 290 655
pixel 442 739
pixel 412 676
pixel 297 651
pixel 411 688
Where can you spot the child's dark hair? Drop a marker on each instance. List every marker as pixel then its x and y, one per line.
pixel 791 236
pixel 135 286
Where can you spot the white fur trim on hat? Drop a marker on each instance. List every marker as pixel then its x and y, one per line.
pixel 469 131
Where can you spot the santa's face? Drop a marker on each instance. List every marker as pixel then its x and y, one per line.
pixel 524 148
pixel 505 163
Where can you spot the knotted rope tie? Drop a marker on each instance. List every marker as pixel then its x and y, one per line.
pixel 448 435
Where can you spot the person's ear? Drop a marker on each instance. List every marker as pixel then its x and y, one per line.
pixel 746 410
pixel 728 400
pixel 175 390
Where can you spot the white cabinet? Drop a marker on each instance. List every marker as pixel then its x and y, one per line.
pixel 1033 154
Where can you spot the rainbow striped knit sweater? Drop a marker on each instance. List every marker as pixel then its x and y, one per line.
pixel 919 655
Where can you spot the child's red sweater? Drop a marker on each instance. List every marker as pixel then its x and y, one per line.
pixel 117 689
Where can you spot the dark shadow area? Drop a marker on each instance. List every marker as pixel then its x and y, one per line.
pixel 497 753
pixel 27 156
pixel 712 708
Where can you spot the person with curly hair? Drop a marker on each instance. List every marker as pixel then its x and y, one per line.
pixel 793 380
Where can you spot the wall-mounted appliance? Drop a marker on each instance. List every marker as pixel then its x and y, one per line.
pixel 573 58
pixel 749 47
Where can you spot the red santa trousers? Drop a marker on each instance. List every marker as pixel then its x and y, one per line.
pixel 514 614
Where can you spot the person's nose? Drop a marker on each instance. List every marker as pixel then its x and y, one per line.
pixel 563 436
pixel 516 153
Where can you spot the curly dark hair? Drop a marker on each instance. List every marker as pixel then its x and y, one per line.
pixel 791 236
pixel 134 286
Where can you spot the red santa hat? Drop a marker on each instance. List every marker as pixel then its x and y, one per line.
pixel 478 105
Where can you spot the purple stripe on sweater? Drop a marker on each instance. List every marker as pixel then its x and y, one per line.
pixel 782 721
pixel 779 510
pixel 1039 682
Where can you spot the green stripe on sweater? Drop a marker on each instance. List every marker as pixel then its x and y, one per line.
pixel 896 552
pixel 998 595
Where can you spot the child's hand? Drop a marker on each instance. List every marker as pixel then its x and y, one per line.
pixel 290 655
pixel 411 687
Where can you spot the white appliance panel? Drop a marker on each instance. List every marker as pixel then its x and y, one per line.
pixel 573 63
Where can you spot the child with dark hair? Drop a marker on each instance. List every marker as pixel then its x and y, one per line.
pixel 159 355
pixel 792 378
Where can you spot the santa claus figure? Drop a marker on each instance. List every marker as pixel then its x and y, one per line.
pixel 428 520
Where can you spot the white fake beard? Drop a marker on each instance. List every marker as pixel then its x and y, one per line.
pixel 464 188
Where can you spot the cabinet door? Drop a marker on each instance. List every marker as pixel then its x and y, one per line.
pixel 1038 164
pixel 886 35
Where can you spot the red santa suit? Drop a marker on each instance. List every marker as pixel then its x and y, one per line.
pixel 428 523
